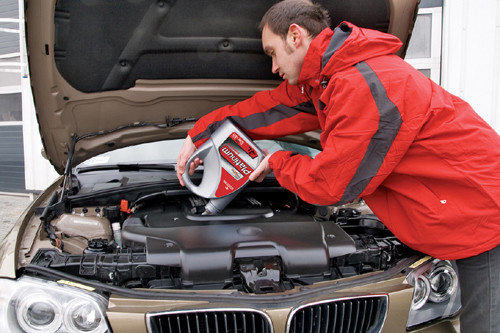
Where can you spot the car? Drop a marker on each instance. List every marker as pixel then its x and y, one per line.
pixel 116 244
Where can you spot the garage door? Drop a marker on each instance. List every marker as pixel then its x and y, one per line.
pixel 11 144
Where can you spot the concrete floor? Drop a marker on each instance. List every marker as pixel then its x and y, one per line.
pixel 11 207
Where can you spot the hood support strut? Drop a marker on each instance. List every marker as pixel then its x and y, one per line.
pixel 67 170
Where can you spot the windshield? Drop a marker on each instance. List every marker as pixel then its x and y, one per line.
pixel 148 163
pixel 165 152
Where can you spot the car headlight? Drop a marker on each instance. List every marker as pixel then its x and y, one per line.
pixel 421 292
pixel 38 313
pixel 436 292
pixel 444 283
pixel 34 305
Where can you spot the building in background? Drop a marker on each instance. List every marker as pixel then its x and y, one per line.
pixel 424 50
pixel 11 129
pixel 455 42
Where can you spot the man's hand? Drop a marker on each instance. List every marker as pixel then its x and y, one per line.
pixel 262 170
pixel 186 152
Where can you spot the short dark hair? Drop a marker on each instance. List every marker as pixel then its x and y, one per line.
pixel 312 17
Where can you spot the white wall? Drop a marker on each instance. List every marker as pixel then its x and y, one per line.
pixel 38 172
pixel 471 54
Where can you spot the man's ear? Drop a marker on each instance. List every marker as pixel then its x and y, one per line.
pixel 295 34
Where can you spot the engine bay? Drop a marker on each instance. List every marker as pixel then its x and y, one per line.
pixel 267 240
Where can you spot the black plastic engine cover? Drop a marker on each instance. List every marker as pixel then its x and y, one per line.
pixel 205 252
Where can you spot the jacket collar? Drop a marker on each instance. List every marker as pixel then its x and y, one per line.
pixel 312 65
pixel 345 46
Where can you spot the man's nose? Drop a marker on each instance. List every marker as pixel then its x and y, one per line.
pixel 274 67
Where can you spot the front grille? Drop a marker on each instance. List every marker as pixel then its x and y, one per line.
pixel 213 321
pixel 357 315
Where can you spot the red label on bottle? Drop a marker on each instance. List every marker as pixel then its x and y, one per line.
pixel 233 158
pixel 227 185
pixel 235 171
pixel 244 145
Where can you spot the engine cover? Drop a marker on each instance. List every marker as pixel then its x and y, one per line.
pixel 206 252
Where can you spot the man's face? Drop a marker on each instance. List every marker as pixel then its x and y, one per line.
pixel 287 60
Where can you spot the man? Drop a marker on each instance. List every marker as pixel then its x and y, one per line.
pixel 425 163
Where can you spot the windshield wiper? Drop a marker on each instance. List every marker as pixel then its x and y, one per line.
pixel 125 167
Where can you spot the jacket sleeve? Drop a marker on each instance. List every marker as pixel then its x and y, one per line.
pixel 266 115
pixel 363 140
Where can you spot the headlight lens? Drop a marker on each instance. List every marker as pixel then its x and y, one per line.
pixel 436 294
pixel 33 305
pixel 38 313
pixel 83 316
pixel 444 283
pixel 421 292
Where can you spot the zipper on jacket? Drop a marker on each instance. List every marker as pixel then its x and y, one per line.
pixel 324 82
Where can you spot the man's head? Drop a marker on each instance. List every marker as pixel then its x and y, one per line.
pixel 288 28
pixel 304 13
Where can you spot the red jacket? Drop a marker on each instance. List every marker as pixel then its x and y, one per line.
pixel 425 163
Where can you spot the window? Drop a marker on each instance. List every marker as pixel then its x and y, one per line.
pixel 10 108
pixel 424 50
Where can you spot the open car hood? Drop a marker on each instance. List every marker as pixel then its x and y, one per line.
pixel 109 74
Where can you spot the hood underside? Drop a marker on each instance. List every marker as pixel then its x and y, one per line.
pixel 109 74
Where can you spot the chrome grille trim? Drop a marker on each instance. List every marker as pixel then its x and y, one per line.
pixel 230 320
pixel 363 314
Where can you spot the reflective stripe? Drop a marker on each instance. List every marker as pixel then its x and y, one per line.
pixel 260 119
pixel 340 34
pixel 389 124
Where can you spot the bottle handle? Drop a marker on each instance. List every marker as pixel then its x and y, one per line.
pixel 208 154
